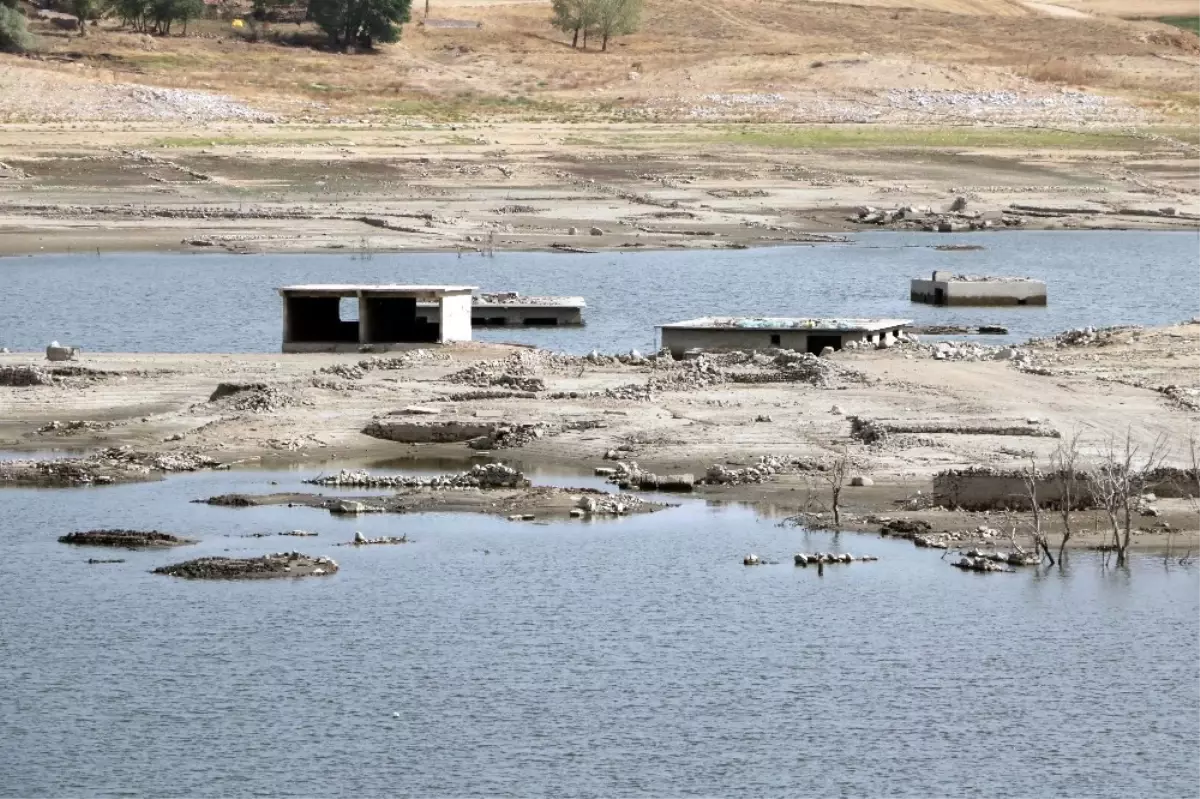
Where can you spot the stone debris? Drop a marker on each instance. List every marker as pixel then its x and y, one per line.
pixel 277 565
pixel 113 465
pixel 1007 558
pixel 481 475
pixel 124 539
pixel 21 376
pixel 979 565
pixel 350 507
pixel 956 220
pixel 804 559
pixel 94 561
pixel 75 426
pixel 628 475
pixel 1085 336
pixel 361 540
pixel 598 504
pixel 767 467
pixel 905 528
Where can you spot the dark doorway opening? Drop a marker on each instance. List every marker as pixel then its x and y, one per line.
pixel 541 321
pixel 939 296
pixel 817 343
pixel 393 320
pixel 775 340
pixel 319 319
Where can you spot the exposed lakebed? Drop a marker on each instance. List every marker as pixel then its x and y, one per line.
pixel 624 656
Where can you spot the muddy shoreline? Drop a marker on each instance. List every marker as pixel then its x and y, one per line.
pixel 756 429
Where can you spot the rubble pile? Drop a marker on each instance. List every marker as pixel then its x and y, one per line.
pixel 118 464
pixel 276 565
pixel 404 360
pixel 628 475
pixel 346 370
pixel 20 376
pixel 804 559
pixel 517 372
pixel 124 539
pixel 1009 558
pixel 74 426
pixel 767 467
pixel 979 565
pixel 263 400
pixel 485 394
pixel 606 505
pixel 925 218
pixel 481 475
pixel 1084 336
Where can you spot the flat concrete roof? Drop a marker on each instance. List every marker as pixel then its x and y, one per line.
pixel 752 323
pixel 343 289
pixel 518 301
pixel 942 277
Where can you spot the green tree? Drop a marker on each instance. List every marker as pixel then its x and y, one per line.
pixel 573 17
pixel 360 22
pixel 14 36
pixel 616 18
pixel 85 12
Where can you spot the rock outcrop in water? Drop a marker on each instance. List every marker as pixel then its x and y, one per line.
pixel 125 539
pixel 277 565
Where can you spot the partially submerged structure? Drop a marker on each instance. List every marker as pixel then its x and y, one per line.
pixel 345 317
pixel 946 288
pixel 506 308
pixel 758 333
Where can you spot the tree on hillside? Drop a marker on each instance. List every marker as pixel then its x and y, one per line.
pixel 85 11
pixel 616 18
pixel 14 36
pixel 156 16
pixel 360 22
pixel 603 18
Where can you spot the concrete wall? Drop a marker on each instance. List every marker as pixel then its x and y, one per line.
pixel 456 318
pixel 979 292
pixel 677 340
pixel 988 490
pixel 512 315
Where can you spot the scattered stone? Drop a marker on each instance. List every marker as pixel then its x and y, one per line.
pixel 361 540
pixel 480 475
pixel 278 565
pixel 979 565
pixel 804 559
pixel 94 561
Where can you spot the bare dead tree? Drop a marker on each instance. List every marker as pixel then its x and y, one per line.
pixel 1121 480
pixel 1032 477
pixel 1064 462
pixel 835 477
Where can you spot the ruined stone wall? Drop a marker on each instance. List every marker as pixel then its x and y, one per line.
pixel 993 489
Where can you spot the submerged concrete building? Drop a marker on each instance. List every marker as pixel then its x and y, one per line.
pixel 317 318
pixel 508 308
pixel 946 288
pixel 760 333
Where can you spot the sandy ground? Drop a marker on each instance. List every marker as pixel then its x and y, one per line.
pixel 253 188
pixel 309 414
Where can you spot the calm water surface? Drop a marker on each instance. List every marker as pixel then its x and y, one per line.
pixel 625 658
pixel 227 303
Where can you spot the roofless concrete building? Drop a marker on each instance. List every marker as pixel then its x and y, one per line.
pixel 315 318
pixel 760 333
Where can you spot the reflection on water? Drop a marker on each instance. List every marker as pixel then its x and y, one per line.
pixel 628 658
pixel 1094 278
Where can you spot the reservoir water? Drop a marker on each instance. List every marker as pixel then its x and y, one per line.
pixel 227 303
pixel 634 657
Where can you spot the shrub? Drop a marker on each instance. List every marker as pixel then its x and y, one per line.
pixel 14 36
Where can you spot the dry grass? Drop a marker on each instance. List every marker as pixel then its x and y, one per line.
pixel 1065 72
pixel 517 66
